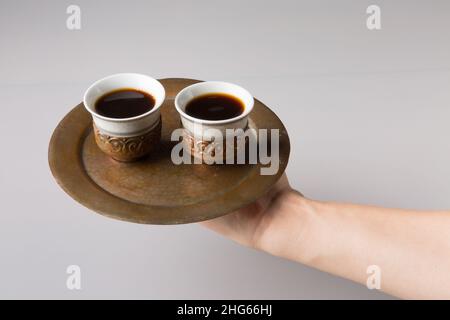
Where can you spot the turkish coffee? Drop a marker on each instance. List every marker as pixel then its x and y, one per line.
pixel 124 103
pixel 215 106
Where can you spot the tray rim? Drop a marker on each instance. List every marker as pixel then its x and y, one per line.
pixel 139 213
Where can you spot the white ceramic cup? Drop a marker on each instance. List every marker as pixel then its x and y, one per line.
pixel 125 126
pixel 207 140
pixel 126 139
pixel 198 127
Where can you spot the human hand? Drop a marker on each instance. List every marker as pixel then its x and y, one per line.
pixel 258 224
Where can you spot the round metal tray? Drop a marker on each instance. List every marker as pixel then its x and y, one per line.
pixel 154 190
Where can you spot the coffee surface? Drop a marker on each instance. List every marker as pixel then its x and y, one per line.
pixel 215 106
pixel 124 103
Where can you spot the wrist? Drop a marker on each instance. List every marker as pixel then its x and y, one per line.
pixel 290 233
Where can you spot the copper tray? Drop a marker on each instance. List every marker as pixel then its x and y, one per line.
pixel 154 190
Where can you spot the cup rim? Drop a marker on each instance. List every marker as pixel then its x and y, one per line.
pixel 248 108
pixel 96 83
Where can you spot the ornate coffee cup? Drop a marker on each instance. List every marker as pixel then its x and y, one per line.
pixel 126 139
pixel 210 139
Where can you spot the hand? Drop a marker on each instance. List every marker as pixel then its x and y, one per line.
pixel 256 224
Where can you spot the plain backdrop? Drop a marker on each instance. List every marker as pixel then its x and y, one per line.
pixel 367 112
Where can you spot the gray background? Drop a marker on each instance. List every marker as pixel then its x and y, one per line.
pixel 367 112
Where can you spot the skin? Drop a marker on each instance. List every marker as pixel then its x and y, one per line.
pixel 411 248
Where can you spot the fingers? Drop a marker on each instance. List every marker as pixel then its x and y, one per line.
pixel 240 225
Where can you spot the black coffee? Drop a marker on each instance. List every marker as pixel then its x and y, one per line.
pixel 215 106
pixel 124 103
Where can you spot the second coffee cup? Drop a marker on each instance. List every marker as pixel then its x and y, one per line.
pixel 210 111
